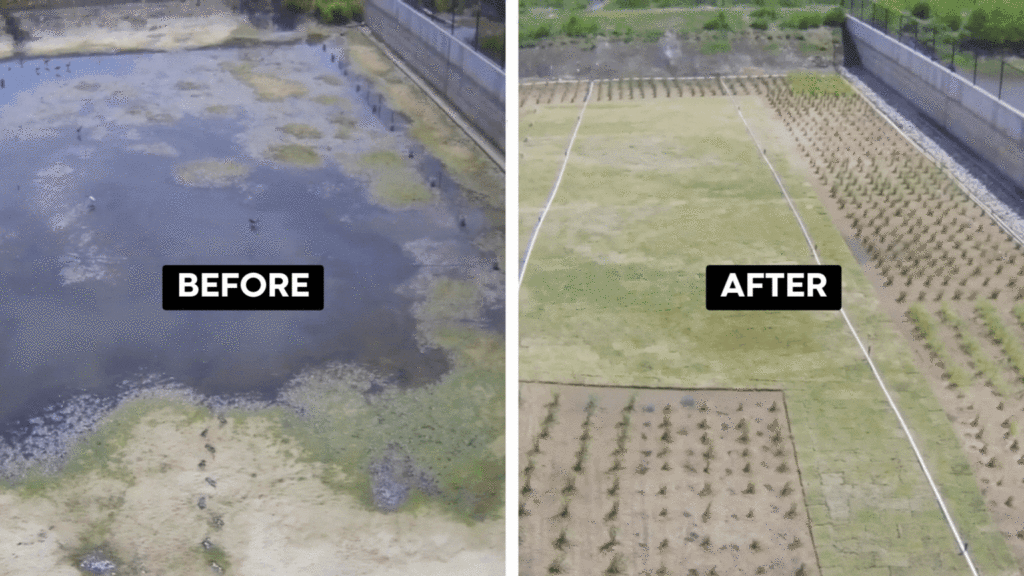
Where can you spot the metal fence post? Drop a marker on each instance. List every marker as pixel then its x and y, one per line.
pixel 1002 68
pixel 975 82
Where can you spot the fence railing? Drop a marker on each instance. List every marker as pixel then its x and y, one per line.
pixel 991 68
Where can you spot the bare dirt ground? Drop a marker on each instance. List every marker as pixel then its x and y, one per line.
pixel 637 481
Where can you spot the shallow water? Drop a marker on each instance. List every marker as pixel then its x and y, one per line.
pixel 80 301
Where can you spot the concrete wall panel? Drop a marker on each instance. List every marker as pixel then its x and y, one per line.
pixel 991 128
pixel 471 83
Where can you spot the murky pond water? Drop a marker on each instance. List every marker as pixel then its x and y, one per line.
pixel 112 167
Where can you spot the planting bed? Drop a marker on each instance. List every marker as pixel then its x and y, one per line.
pixel 627 481
pixel 946 270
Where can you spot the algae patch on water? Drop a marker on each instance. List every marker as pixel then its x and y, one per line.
pixel 328 100
pixel 393 182
pixel 297 155
pixel 267 87
pixel 211 173
pixel 304 131
pixel 332 80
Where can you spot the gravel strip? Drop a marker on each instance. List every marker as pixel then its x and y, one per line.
pixel 990 188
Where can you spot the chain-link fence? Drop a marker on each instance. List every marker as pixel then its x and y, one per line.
pixel 993 68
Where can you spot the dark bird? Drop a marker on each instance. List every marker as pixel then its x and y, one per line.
pixel 411 154
pixel 202 464
pixel 68 66
pixel 252 224
pixel 47 61
pixel 1 83
pixel 203 433
pixel 462 221
pixel 79 129
pixel 211 481
pixel 202 502
pixel 358 87
pixel 433 182
pixel 325 47
pixel 496 267
pixel 211 449
pixel 333 57
pixel 374 108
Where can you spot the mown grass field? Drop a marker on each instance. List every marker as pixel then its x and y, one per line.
pixel 657 189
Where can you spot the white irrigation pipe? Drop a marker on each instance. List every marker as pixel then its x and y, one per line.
pixel 874 370
pixel 554 189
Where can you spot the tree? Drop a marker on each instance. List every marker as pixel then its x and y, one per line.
pixel 922 10
pixel 977 23
pixel 953 21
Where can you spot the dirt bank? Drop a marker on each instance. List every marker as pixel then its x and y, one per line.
pixel 673 55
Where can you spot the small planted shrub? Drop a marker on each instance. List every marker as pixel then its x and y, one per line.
pixel 718 23
pixel 580 27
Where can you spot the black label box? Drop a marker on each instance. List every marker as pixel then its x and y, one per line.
pixel 774 287
pixel 263 287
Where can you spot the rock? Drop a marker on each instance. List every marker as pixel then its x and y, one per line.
pixel 97 563
pixel 202 464
pixel 202 502
pixel 207 544
pixel 211 481
pixel 211 449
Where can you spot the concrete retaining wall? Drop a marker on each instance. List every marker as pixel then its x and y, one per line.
pixel 470 81
pixel 990 127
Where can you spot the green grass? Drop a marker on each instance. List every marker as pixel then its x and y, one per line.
pixel 940 7
pixel 655 191
pixel 537 26
pixel 715 47
pixel 810 83
pixel 1000 335
pixel 970 345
